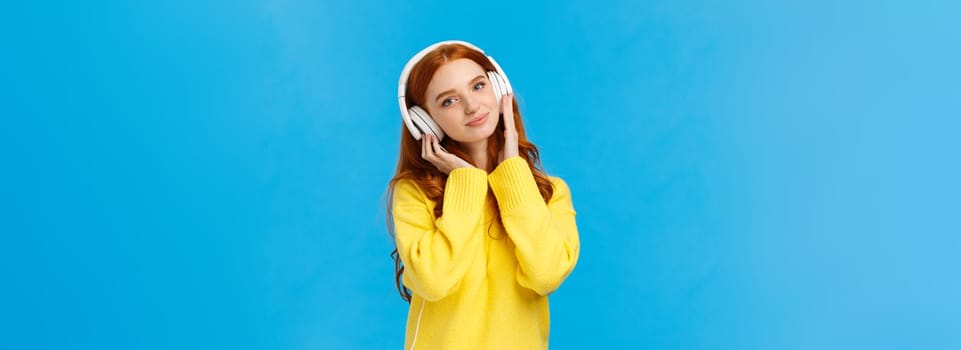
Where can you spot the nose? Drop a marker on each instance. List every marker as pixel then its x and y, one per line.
pixel 470 105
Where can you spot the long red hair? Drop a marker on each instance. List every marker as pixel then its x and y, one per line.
pixel 411 166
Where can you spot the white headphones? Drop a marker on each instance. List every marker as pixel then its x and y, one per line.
pixel 416 118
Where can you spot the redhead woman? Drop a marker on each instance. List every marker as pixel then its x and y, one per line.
pixel 483 235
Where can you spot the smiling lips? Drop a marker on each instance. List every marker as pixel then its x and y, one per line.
pixel 479 120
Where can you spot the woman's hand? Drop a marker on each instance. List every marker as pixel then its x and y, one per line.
pixel 431 150
pixel 510 131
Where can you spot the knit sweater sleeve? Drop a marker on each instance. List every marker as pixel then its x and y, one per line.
pixel 544 234
pixel 437 252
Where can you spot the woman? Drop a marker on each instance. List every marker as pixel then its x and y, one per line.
pixel 483 235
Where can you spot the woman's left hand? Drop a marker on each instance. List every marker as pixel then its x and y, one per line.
pixel 510 131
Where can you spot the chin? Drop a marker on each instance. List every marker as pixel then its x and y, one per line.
pixel 470 138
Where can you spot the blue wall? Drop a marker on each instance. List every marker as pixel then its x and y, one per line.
pixel 747 174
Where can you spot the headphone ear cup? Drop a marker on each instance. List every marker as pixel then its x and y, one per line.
pixel 412 122
pixel 425 123
pixel 497 84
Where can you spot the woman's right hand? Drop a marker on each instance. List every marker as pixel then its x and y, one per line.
pixel 431 150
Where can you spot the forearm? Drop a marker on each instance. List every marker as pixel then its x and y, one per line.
pixel 544 234
pixel 437 252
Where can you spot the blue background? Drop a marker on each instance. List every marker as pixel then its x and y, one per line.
pixel 747 174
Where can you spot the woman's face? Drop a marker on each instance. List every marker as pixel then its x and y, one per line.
pixel 461 100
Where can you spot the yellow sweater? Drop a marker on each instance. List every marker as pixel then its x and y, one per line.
pixel 480 278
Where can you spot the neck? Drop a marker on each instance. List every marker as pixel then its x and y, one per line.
pixel 478 152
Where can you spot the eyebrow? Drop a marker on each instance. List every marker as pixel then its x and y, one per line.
pixel 452 90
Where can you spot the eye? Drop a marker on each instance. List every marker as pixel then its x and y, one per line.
pixel 479 85
pixel 447 101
